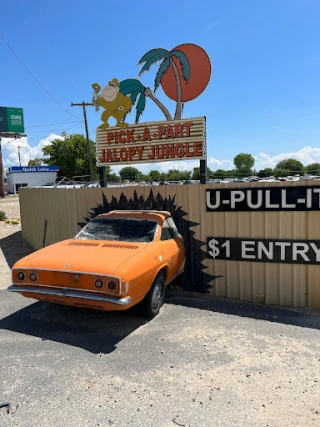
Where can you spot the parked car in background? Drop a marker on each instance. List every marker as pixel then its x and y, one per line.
pixel 116 261
pixel 226 181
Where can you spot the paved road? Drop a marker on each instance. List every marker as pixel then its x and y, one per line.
pixel 12 248
pixel 201 362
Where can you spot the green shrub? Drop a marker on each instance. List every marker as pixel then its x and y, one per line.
pixel 3 216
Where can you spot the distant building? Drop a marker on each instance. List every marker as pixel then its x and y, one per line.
pixel 30 176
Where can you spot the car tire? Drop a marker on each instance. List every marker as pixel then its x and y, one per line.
pixel 155 296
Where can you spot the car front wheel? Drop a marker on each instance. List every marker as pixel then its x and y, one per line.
pixel 155 296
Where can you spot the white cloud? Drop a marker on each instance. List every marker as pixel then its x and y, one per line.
pixel 10 150
pixel 179 165
pixel 215 164
pixel 306 156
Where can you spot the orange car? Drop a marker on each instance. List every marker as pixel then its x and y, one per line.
pixel 116 261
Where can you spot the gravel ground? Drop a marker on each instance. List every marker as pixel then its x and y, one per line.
pixel 12 246
pixel 10 205
pixel 200 363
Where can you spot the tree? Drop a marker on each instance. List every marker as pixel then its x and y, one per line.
pixel 112 177
pixel 173 175
pixel 185 175
pixel 35 162
pixel 155 175
pixel 134 89
pixel 313 169
pixel 70 153
pixel 147 178
pixel 210 173
pixel 264 173
pixel 108 170
pixel 163 176
pixel 130 173
pixel 196 173
pixel 292 166
pixel 219 174
pixel 244 163
pixel 281 172
pixel 155 55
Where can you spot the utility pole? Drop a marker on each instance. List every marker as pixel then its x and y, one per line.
pixel 7 135
pixel 19 155
pixel 2 193
pixel 84 105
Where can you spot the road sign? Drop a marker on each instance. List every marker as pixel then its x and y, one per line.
pixel 11 120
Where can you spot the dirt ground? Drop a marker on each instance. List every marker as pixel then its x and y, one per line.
pixel 202 362
pixel 10 206
pixel 11 243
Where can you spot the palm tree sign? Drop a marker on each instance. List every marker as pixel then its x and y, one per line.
pixel 134 89
pixel 166 57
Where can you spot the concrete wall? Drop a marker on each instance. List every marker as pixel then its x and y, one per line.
pixel 292 284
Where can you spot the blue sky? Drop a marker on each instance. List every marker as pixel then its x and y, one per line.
pixel 263 97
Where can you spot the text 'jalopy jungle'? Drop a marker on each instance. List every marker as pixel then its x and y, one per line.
pixel 150 152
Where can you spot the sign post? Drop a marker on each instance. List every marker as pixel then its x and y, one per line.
pixel 184 73
pixel 2 192
pixel 11 126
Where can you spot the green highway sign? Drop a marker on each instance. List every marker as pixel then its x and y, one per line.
pixel 11 120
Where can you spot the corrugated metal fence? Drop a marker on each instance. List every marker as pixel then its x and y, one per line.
pixel 270 283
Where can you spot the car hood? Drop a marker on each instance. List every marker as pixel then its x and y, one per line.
pixel 88 256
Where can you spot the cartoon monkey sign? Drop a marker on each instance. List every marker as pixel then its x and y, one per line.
pixel 115 104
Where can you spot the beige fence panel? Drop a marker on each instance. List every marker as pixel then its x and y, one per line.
pixel 270 283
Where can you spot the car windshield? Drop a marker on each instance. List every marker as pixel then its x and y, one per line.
pixel 119 229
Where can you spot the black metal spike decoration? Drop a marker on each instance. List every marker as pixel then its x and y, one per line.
pixel 195 278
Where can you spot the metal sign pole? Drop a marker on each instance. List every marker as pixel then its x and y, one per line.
pixel 203 163
pixel 203 171
pixel 6 135
pixel 2 192
pixel 11 126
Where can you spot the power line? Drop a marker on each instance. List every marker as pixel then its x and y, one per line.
pixel 44 132
pixel 52 124
pixel 36 80
pixel 71 127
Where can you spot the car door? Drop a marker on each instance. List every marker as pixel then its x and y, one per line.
pixel 172 248
pixel 180 243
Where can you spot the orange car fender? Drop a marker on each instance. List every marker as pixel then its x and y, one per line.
pixel 165 268
pixel 140 285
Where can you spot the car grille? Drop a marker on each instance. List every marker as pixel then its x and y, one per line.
pixel 82 244
pixel 106 245
pixel 120 246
